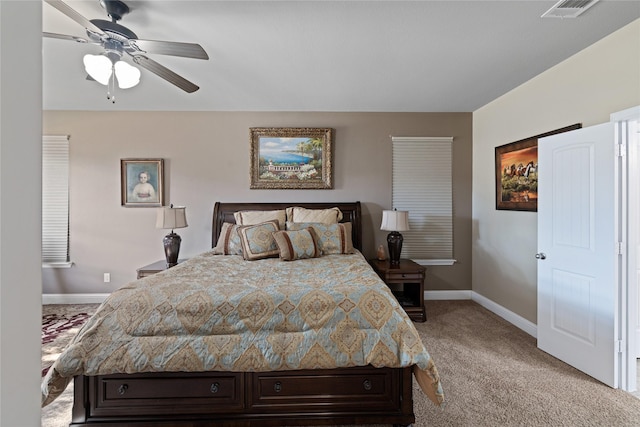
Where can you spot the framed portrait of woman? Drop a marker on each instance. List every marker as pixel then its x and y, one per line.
pixel 142 182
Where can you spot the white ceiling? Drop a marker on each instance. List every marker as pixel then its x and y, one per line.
pixel 422 56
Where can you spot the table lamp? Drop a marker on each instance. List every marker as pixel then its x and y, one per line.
pixel 170 218
pixel 395 221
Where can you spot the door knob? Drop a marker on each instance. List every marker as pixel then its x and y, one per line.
pixel 541 255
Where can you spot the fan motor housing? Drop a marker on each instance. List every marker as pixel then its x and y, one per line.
pixel 116 9
pixel 114 28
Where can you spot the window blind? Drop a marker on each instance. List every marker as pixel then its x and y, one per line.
pixel 422 185
pixel 55 199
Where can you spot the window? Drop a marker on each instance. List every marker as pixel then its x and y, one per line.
pixel 55 201
pixel 422 185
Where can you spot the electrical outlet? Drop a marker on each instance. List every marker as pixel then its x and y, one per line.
pixel 107 277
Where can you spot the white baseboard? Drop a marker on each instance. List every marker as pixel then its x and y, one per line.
pixel 508 315
pixel 73 298
pixel 446 295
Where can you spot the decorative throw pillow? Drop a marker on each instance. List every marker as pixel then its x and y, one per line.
pixel 332 238
pixel 258 217
pixel 229 240
pixel 257 240
pixel 298 244
pixel 326 216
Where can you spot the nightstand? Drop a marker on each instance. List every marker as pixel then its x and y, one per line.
pixel 154 268
pixel 406 281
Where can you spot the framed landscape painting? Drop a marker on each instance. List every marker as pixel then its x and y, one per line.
pixel 517 172
pixel 142 182
pixel 291 158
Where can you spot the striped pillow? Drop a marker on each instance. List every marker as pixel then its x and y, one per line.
pixel 325 216
pixel 298 244
pixel 229 241
pixel 332 238
pixel 258 217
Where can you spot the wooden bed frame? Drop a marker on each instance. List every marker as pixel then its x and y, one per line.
pixel 360 395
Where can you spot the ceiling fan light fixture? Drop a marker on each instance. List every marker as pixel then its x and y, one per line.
pixel 128 76
pixel 99 67
pixel 116 40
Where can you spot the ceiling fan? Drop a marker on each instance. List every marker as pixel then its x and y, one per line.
pixel 117 40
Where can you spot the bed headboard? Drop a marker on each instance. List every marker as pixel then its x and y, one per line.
pixel 223 212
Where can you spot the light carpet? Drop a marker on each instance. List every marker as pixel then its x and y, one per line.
pixel 492 375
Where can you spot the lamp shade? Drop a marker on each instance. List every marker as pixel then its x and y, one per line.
pixel 395 220
pixel 171 217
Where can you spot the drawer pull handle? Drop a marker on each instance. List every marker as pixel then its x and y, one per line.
pixel 123 389
pixel 367 384
pixel 215 387
pixel 277 387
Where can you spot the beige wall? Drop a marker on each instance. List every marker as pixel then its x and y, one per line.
pixel 207 159
pixel 586 88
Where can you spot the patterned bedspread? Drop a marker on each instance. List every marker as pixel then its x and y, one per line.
pixel 222 313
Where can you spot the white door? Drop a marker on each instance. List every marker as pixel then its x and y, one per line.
pixel 577 250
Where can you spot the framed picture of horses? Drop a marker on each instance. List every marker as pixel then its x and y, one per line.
pixel 517 173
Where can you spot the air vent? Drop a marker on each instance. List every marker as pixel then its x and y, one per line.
pixel 568 8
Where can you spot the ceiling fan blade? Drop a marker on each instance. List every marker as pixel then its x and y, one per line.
pixel 187 50
pixel 64 37
pixel 165 73
pixel 71 13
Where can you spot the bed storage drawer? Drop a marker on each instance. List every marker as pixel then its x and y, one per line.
pixel 144 394
pixel 336 396
pixel 366 387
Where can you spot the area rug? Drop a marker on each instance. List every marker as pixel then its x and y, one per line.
pixel 60 323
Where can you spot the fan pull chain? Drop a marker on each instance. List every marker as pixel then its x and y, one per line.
pixel 111 87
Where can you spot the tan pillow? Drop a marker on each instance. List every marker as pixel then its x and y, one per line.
pixel 325 216
pixel 229 241
pixel 332 238
pixel 257 240
pixel 299 244
pixel 258 217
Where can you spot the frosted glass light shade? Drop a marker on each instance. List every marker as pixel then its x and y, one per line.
pixel 171 217
pixel 99 67
pixel 128 76
pixel 395 220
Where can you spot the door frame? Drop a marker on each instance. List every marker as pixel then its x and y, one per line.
pixel 626 122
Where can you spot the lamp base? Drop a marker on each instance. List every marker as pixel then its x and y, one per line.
pixel 394 241
pixel 172 248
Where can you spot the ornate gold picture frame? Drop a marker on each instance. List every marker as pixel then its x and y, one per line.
pixel 291 158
